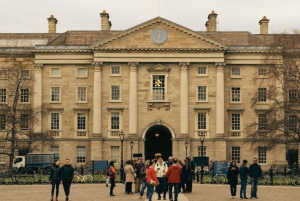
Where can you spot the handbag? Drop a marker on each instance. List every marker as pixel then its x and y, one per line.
pixel 153 183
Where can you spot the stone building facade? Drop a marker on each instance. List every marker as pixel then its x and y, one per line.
pixel 159 83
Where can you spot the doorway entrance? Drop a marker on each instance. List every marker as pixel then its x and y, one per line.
pixel 158 140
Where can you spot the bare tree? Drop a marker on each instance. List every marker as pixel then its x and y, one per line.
pixel 279 122
pixel 17 115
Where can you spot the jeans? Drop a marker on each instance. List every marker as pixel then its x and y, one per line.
pixel 67 186
pixel 161 188
pixel 144 185
pixel 176 188
pixel 55 183
pixel 112 185
pixel 150 191
pixel 254 184
pixel 243 188
pixel 233 189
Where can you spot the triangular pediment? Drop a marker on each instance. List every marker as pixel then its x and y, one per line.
pixel 158 68
pixel 142 37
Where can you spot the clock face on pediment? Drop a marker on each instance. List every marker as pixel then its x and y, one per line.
pixel 159 36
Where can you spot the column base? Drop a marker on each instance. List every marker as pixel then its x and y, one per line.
pixel 96 135
pixel 133 135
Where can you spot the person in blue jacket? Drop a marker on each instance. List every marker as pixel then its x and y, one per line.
pixel 244 170
pixel 254 173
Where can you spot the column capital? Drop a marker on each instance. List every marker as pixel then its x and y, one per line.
pixel 97 66
pixel 133 66
pixel 184 66
pixel 220 66
pixel 38 67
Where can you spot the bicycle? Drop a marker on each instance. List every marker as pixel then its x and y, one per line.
pixel 18 179
pixel 219 179
pixel 41 179
pixel 293 180
pixel 101 176
pixel 82 178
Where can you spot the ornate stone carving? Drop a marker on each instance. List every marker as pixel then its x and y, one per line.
pixel 97 66
pixel 220 66
pixel 184 66
pixel 158 105
pixel 38 67
pixel 133 66
pixel 158 68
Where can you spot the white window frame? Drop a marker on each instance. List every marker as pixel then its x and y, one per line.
pixel 5 74
pixel 166 97
pixel 81 133
pixel 4 96
pixel 56 76
pixel 262 76
pixel 77 95
pixel 204 150
pixel 81 152
pixel 5 123
pixel 59 94
pixel 119 100
pixel 2 156
pixel 235 76
pixel 206 131
pixel 262 155
pixel 236 154
pixel 54 149
pixel 262 102
pixel 231 90
pixel 197 93
pixel 28 122
pixel 236 133
pixel 296 96
pixel 28 96
pixel 115 154
pixel 56 133
pixel 202 75
pixel 111 69
pixel 114 133
pixel 25 77
pixel 85 76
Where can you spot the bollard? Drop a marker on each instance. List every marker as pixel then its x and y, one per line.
pixel 271 175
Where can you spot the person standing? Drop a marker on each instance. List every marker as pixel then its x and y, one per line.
pixel 67 174
pixel 55 179
pixel 232 176
pixel 161 169
pixel 144 178
pixel 243 176
pixel 130 174
pixel 151 176
pixel 170 161
pixel 138 179
pixel 173 175
pixel 254 173
pixel 183 176
pixel 191 173
pixel 112 176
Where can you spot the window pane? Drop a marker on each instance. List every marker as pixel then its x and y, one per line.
pixel 235 154
pixel 24 119
pixel 54 121
pixel 3 95
pixel 81 121
pixel 200 151
pixel 2 121
pixel 115 120
pixel 80 154
pixel 235 122
pixel 54 149
pixel 262 71
pixel 235 71
pixel 81 94
pixel 202 70
pixel 24 95
pixel 82 72
pixel 3 73
pixel 55 94
pixel 115 153
pixel 201 93
pixel 262 94
pixel 115 92
pixel 202 121
pixel 115 70
pixel 262 121
pixel 158 87
pixel 262 155
pixel 2 156
pixel 292 96
pixel 292 123
pixel 55 72
pixel 235 94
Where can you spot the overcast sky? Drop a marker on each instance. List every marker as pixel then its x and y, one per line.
pixel 30 16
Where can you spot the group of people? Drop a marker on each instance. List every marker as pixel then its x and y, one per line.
pixel 61 175
pixel 254 172
pixel 166 175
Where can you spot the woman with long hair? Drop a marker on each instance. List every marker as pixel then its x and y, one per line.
pixel 130 175
pixel 112 176
pixel 183 176
pixel 151 176
pixel 232 176
pixel 55 178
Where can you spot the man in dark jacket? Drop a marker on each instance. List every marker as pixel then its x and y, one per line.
pixel 191 172
pixel 255 174
pixel 243 176
pixel 173 174
pixel 67 174
pixel 138 179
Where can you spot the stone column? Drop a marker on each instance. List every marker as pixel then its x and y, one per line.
pixel 97 100
pixel 220 100
pixel 37 103
pixel 133 99
pixel 184 106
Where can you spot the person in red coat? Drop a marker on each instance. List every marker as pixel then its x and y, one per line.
pixel 151 176
pixel 173 174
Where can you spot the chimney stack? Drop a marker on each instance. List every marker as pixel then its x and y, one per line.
pixel 264 25
pixel 211 24
pixel 105 23
pixel 52 21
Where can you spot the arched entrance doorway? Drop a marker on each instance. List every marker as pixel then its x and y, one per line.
pixel 158 140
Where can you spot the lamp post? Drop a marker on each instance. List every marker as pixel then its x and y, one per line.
pixel 186 147
pixel 121 135
pixel 202 136
pixel 131 146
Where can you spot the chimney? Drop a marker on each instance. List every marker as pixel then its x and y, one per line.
pixel 264 25
pixel 207 25
pixel 105 23
pixel 52 21
pixel 212 21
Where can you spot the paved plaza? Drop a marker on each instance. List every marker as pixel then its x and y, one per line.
pixel 93 192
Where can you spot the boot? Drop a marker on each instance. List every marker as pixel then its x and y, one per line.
pixel 111 193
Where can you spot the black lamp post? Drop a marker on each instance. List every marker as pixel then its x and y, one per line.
pixel 202 136
pixel 131 146
pixel 121 135
pixel 186 147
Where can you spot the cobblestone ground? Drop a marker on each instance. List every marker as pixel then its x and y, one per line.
pixel 93 192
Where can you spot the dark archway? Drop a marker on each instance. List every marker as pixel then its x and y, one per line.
pixel 158 140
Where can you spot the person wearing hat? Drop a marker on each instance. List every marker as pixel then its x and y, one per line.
pixel 243 176
pixel 191 172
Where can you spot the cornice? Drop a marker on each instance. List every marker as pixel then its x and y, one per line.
pixel 62 51
pixel 159 49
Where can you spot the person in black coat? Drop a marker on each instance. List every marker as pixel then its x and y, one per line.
pixel 232 176
pixel 67 174
pixel 183 176
pixel 55 178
